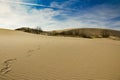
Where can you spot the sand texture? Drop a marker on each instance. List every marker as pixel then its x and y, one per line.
pixel 25 56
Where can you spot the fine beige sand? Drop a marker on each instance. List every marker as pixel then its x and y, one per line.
pixel 25 56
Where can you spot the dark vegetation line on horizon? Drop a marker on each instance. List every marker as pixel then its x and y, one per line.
pixel 78 32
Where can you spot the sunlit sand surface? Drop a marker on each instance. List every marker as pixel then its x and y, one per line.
pixel 25 56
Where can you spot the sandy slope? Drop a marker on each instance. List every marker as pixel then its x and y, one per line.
pixel 25 56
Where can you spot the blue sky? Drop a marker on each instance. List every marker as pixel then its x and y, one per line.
pixel 60 14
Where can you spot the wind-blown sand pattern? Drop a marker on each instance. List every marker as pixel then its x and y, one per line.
pixel 25 56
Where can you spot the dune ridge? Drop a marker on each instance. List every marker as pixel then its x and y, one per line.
pixel 78 32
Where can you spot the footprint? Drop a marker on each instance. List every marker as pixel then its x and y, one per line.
pixel 38 47
pixel 30 51
pixel 6 66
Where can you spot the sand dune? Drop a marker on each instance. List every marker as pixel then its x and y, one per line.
pixel 25 56
pixel 77 32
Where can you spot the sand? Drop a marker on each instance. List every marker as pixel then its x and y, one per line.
pixel 25 56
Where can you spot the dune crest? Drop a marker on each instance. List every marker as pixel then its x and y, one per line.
pixel 77 32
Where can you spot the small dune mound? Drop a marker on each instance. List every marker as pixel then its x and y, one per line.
pixel 30 30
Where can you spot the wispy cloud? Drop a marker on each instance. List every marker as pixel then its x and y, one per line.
pixel 22 3
pixel 34 4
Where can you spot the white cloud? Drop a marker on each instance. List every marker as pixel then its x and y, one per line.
pixel 14 15
pixel 19 15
